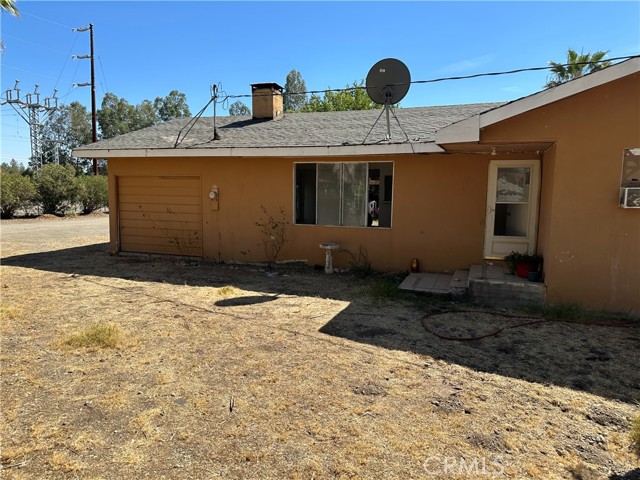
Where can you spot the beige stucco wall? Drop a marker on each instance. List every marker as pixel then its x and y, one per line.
pixel 591 245
pixel 438 209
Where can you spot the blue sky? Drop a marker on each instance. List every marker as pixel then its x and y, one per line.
pixel 146 49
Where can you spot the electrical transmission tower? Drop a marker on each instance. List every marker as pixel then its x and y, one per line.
pixel 30 109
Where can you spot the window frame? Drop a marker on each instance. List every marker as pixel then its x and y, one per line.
pixel 369 166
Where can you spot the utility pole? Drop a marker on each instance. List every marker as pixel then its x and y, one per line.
pixel 30 110
pixel 94 129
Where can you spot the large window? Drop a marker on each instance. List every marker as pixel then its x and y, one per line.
pixel 345 194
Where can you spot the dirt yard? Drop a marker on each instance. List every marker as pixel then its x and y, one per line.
pixel 224 371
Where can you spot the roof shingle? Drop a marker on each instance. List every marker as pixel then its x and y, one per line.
pixel 317 129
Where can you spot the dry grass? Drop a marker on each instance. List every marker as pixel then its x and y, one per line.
pixel 327 377
pixel 635 435
pixel 98 335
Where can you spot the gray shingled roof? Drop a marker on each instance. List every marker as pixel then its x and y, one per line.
pixel 298 129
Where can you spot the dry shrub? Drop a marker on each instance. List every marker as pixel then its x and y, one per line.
pixel 144 423
pixel 8 312
pixel 635 435
pixel 61 461
pixel 98 335
pixel 228 291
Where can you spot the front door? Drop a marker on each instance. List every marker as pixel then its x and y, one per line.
pixel 512 207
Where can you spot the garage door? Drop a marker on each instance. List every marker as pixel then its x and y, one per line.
pixel 160 215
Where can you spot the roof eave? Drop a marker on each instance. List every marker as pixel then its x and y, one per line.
pixel 469 130
pixel 308 151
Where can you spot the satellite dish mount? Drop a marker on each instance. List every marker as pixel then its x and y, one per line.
pixel 387 83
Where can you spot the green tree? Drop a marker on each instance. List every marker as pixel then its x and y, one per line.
pixel 173 105
pixel 353 97
pixel 576 66
pixel 295 97
pixel 57 189
pixel 239 108
pixel 13 167
pixel 65 130
pixel 117 116
pixel 18 191
pixel 146 115
pixel 93 192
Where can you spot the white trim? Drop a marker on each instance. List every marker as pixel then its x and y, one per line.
pixel 528 243
pixel 464 131
pixel 468 129
pixel 324 151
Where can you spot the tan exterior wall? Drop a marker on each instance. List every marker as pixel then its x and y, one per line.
pixel 591 245
pixel 438 209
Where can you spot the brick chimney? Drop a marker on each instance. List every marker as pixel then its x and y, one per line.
pixel 266 100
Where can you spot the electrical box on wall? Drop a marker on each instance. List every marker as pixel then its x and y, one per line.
pixel 214 198
pixel 630 197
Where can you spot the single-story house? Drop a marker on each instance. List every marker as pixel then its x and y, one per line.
pixel 555 172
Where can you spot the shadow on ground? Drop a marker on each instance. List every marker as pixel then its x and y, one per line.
pixel 596 359
pixel 630 475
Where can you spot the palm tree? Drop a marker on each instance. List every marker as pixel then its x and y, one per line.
pixel 9 6
pixel 576 66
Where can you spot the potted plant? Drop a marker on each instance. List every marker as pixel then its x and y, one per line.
pixel 522 263
pixel 512 261
pixel 528 262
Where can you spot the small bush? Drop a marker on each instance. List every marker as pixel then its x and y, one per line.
pixel 274 233
pixel 99 335
pixel 93 192
pixel 17 193
pixel 359 265
pixel 384 289
pixel 571 312
pixel 635 435
pixel 57 188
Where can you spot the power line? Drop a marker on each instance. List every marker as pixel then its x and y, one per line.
pixel 103 75
pixel 442 79
pixel 72 87
pixel 26 71
pixel 22 12
pixel 33 44
pixel 66 59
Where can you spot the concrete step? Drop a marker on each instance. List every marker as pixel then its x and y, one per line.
pixel 485 284
pixel 427 282
pixel 459 284
pixel 495 286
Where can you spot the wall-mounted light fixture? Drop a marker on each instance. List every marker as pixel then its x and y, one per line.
pixel 214 196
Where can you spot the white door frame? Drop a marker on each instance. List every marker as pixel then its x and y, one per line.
pixel 498 246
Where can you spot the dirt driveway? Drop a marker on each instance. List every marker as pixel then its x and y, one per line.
pixel 226 371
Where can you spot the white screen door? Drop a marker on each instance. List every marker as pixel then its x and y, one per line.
pixel 512 207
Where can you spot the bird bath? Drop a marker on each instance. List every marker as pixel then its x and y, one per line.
pixel 328 262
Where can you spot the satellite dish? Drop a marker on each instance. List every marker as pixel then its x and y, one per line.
pixel 388 81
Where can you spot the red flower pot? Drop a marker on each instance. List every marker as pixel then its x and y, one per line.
pixel 523 268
